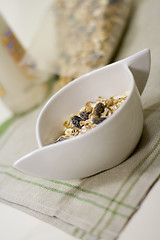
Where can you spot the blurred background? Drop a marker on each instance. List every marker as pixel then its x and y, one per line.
pixel 49 43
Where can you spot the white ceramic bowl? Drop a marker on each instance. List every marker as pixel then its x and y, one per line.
pixel 103 147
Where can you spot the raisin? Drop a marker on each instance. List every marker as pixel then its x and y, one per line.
pixel 76 121
pixel 98 120
pixel 84 115
pixel 99 108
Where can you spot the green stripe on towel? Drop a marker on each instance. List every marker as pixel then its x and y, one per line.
pixel 79 189
pixel 129 189
pixel 126 181
pixel 64 193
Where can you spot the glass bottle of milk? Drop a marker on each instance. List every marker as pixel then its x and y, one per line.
pixel 23 74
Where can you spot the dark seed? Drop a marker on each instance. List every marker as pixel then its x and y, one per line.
pixel 84 115
pixel 98 120
pixel 99 108
pixel 76 121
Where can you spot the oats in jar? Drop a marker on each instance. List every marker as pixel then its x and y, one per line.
pixel 89 116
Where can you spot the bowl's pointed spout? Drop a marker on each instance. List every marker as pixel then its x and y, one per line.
pixel 139 64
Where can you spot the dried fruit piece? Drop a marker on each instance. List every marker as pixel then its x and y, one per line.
pixel 76 121
pixel 98 120
pixel 99 109
pixel 84 115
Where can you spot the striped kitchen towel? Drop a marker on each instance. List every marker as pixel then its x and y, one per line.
pixel 96 207
pixel 100 206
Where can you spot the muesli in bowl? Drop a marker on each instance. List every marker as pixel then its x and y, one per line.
pixel 89 116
